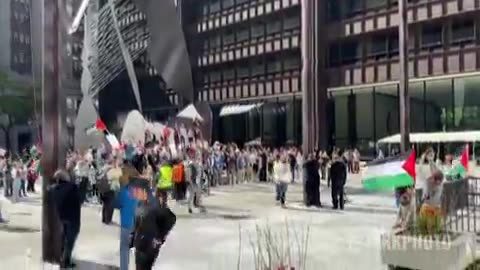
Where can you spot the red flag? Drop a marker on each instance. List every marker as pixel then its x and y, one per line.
pixel 465 158
pixel 409 165
pixel 100 125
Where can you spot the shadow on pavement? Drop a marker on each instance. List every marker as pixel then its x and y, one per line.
pixel 17 229
pixel 86 265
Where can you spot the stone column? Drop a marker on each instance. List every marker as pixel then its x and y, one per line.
pixel 404 93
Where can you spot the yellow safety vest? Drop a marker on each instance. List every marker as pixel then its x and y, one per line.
pixel 165 178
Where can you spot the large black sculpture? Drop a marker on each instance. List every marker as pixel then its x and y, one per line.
pixel 130 37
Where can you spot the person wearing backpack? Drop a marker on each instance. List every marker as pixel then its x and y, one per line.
pixel 152 225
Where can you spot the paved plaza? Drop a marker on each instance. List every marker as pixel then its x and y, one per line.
pixel 337 240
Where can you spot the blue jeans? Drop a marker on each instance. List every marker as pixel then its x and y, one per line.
pixel 282 192
pixel 124 248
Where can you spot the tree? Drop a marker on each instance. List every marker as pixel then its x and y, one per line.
pixel 16 104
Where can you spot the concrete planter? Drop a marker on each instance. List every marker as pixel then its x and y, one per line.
pixel 425 253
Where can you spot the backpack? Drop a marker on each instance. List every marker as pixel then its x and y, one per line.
pixel 178 173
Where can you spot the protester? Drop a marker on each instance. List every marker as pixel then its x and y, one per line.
pixel 312 181
pixel 127 205
pixel 338 177
pixel 152 225
pixel 165 182
pixel 67 198
pixel 282 177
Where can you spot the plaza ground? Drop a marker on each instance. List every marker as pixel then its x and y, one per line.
pixel 337 240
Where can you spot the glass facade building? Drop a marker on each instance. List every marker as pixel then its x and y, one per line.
pixel 366 114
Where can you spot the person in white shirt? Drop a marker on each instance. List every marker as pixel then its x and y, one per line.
pixel 282 176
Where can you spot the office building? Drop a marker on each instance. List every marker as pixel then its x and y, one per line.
pixel 249 52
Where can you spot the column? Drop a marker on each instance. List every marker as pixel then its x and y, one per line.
pixel 53 119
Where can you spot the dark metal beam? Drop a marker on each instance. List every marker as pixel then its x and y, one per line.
pixel 404 93
pixel 53 109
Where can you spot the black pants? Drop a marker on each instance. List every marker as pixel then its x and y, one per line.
pixel 313 192
pixel 107 206
pixel 337 197
pixel 263 174
pixel 83 189
pixel 31 185
pixel 144 259
pixel 8 187
pixel 70 233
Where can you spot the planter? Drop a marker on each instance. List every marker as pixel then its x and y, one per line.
pixel 451 252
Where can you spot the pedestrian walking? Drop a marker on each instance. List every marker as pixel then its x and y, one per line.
pixel 67 198
pixel 312 181
pixel 282 175
pixel 338 178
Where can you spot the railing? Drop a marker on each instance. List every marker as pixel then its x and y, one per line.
pixel 461 204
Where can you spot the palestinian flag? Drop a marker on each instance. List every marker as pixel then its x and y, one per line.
pixel 460 170
pixel 99 126
pixel 390 173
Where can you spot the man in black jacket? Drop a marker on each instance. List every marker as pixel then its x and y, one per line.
pixel 312 181
pixel 67 199
pixel 338 178
pixel 152 225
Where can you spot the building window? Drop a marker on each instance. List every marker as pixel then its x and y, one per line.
pixel 463 31
pixel 378 46
pixel 292 22
pixel 242 35
pixel 352 7
pixel 215 76
pixel 274 27
pixel 257 30
pixel 242 72
pixel 228 4
pixel 229 74
pixel 432 36
pixel 291 62
pixel 393 44
pixel 214 6
pixel 274 65
pixel 334 55
pixel 228 38
pixel 369 4
pixel 258 68
pixel 333 10
pixel 350 52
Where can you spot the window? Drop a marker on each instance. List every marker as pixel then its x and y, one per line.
pixel 215 76
pixel 393 44
pixel 228 38
pixel 463 31
pixel 228 4
pixel 229 74
pixel 432 36
pixel 333 10
pixel 274 65
pixel 352 7
pixel 292 62
pixel 242 72
pixel 350 52
pixel 215 41
pixel 334 55
pixel 378 46
pixel 274 27
pixel 375 3
pixel 257 30
pixel 258 68
pixel 292 22
pixel 242 35
pixel 215 6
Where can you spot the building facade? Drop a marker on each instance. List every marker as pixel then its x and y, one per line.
pixel 249 51
pixel 363 68
pixel 246 52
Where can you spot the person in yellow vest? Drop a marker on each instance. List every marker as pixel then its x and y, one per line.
pixel 165 182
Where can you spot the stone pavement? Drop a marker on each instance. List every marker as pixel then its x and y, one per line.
pixel 337 240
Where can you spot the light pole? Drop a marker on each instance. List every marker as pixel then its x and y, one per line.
pixel 403 86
